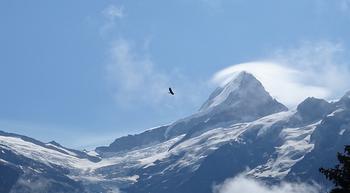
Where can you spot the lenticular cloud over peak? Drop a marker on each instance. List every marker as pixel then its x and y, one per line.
pixel 277 79
pixel 312 69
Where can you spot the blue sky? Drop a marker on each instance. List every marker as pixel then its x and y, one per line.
pixel 85 72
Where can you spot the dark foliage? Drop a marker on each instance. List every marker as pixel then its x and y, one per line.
pixel 340 175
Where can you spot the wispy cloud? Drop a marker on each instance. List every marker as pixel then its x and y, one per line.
pixel 130 71
pixel 38 184
pixel 213 5
pixel 137 80
pixel 280 81
pixel 241 184
pixel 323 64
pixel 133 74
pixel 111 14
pixel 290 75
pixel 344 5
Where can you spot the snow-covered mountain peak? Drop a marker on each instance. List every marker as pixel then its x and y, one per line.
pixel 242 99
pixel 242 87
pixel 246 129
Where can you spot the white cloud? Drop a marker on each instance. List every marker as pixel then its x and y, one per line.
pixel 135 79
pixel 213 5
pixel 113 12
pixel 133 76
pixel 38 184
pixel 116 190
pixel 241 184
pixel 280 81
pixel 291 75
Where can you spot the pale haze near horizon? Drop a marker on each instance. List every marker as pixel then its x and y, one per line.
pixel 84 73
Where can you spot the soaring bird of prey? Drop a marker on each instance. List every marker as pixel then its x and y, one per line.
pixel 171 91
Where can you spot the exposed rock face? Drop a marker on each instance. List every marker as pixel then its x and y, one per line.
pixel 130 142
pixel 240 126
pixel 243 99
pixel 312 109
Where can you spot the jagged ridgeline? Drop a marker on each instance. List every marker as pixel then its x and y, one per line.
pixel 240 126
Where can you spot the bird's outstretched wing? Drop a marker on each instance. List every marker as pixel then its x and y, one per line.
pixel 171 91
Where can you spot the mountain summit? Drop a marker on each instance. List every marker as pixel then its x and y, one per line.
pixel 242 89
pixel 242 99
pixel 240 130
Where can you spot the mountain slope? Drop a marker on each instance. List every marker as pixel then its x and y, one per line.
pixel 240 126
pixel 127 143
pixel 25 166
pixel 274 147
pixel 242 99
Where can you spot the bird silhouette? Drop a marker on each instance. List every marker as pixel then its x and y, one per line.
pixel 171 91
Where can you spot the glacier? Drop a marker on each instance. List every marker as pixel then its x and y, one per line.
pixel 239 129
